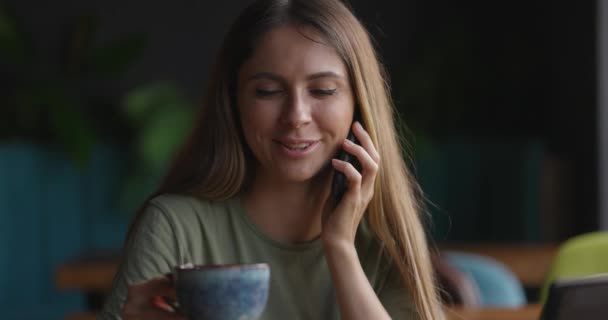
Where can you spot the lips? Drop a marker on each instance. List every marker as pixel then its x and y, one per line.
pixel 297 143
pixel 297 148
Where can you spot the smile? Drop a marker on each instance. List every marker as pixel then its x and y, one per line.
pixel 297 146
pixel 297 149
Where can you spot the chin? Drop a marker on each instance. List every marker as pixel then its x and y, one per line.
pixel 297 177
pixel 300 175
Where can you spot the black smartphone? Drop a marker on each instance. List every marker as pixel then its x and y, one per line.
pixel 339 183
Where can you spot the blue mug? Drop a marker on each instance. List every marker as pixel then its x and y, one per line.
pixel 222 292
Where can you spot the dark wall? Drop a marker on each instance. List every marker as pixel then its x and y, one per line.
pixel 571 110
pixel 181 37
pixel 522 70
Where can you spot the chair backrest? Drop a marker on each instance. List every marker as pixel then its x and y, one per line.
pixel 497 285
pixel 456 287
pixel 583 255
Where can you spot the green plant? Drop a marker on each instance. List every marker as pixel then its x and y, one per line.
pixel 161 117
pixel 56 100
pixel 50 97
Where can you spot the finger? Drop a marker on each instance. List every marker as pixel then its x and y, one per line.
pixel 163 303
pixel 366 141
pixel 142 293
pixel 369 165
pixel 159 314
pixel 148 312
pixel 353 177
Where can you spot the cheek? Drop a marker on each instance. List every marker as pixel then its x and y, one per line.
pixel 254 124
pixel 338 117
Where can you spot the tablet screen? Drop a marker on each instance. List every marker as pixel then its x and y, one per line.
pixel 578 299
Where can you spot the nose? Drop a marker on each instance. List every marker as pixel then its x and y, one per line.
pixel 296 112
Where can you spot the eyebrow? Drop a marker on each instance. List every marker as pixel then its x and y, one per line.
pixel 275 77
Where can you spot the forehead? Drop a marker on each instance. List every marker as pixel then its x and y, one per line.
pixel 291 51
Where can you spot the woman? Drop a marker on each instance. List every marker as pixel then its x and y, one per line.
pixel 253 182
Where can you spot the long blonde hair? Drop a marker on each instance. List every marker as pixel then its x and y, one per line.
pixel 215 162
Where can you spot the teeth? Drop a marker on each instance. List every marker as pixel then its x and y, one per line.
pixel 298 146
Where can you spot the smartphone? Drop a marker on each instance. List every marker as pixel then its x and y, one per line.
pixel 339 183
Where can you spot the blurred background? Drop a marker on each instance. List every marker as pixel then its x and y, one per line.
pixel 500 101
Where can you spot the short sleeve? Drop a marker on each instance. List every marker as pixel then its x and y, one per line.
pixel 384 275
pixel 151 252
pixel 395 298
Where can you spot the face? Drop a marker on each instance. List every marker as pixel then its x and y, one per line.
pixel 295 103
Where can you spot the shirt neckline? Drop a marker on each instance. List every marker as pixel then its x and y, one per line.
pixel 311 245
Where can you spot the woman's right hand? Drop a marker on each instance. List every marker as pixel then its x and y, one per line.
pixel 145 301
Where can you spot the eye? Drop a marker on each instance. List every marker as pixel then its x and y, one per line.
pixel 265 93
pixel 323 92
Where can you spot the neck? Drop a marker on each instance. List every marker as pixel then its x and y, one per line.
pixel 285 211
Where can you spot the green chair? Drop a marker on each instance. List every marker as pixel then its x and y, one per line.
pixel 583 255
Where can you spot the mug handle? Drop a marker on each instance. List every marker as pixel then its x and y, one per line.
pixel 167 303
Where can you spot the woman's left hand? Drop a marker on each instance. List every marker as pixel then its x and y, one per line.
pixel 340 223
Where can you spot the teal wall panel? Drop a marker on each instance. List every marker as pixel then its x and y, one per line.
pixel 51 211
pixel 21 228
pixel 482 190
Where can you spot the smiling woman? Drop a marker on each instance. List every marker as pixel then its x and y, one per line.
pixel 253 182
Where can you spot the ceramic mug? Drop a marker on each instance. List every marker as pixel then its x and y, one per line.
pixel 222 292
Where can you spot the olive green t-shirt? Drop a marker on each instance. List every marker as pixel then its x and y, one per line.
pixel 178 229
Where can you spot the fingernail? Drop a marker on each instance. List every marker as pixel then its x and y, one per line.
pixel 348 142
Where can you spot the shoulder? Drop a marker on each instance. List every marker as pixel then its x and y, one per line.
pixel 185 204
pixel 186 210
pixel 174 202
pixel 183 219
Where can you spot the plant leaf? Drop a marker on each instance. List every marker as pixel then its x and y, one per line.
pixel 165 131
pixel 71 130
pixel 144 101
